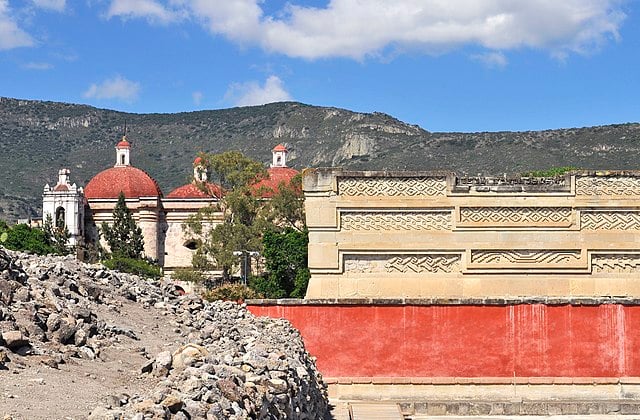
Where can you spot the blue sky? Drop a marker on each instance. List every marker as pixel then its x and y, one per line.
pixel 446 65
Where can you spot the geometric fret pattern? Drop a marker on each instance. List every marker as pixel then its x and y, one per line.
pixel 614 185
pixel 615 263
pixel 610 220
pixel 392 187
pixel 419 263
pixel 524 256
pixel 396 220
pixel 516 215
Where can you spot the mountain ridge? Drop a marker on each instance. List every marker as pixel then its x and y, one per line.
pixel 39 137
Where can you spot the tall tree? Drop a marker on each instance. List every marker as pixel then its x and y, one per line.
pixel 124 236
pixel 57 236
pixel 243 220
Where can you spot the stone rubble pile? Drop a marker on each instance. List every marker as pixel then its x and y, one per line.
pixel 232 365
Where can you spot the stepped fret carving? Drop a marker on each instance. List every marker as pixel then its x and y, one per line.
pixel 610 220
pixel 367 221
pixel 615 263
pixel 421 263
pixel 617 185
pixel 524 257
pixel 392 187
pixel 515 215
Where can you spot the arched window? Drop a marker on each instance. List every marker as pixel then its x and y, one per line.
pixel 60 218
pixel 122 159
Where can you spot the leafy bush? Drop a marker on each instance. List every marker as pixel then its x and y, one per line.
pixel 551 172
pixel 24 238
pixel 134 266
pixel 235 292
pixel 189 275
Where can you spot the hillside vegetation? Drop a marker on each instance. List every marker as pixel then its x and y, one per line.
pixel 38 138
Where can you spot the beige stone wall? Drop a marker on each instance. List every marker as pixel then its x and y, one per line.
pixel 146 212
pixel 426 234
pixel 178 211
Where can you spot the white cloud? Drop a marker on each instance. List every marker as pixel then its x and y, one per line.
pixel 251 93
pixel 57 5
pixel 359 29
pixel 37 66
pixel 11 36
pixel 149 9
pixel 491 59
pixel 116 88
pixel 197 97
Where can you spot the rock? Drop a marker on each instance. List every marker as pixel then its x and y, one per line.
pixel 187 354
pixel 162 363
pixel 102 413
pixel 14 340
pixel 172 403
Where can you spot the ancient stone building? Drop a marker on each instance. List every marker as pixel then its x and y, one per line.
pixel 430 234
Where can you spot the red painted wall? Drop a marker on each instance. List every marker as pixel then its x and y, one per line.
pixel 467 340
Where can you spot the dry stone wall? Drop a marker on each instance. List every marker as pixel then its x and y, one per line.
pixel 426 234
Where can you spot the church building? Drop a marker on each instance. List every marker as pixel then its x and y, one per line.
pixel 160 217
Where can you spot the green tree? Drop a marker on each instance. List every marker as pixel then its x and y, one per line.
pixel 57 237
pixel 273 227
pixel 124 236
pixel 243 219
pixel 285 256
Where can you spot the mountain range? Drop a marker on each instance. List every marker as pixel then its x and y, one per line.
pixel 37 138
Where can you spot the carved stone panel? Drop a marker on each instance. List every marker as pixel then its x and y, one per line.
pixel 615 263
pixel 525 257
pixel 392 187
pixel 602 186
pixel 418 263
pixel 610 220
pixel 532 216
pixel 395 220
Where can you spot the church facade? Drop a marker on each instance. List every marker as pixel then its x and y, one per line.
pixel 160 217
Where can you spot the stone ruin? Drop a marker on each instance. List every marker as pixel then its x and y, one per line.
pixel 233 366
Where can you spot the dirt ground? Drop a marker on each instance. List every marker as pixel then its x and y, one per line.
pixel 31 390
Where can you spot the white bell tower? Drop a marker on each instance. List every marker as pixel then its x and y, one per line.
pixel 122 153
pixel 64 203
pixel 279 156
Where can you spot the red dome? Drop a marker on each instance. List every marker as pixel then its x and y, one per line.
pixel 280 148
pixel 123 144
pixel 133 182
pixel 197 161
pixel 277 175
pixel 193 191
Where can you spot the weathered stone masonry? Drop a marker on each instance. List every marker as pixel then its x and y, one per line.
pixel 426 234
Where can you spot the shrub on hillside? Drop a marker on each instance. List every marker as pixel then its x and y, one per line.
pixel 141 268
pixel 235 292
pixel 189 275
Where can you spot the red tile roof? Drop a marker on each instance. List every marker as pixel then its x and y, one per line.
pixel 193 191
pixel 133 182
pixel 280 148
pixel 268 186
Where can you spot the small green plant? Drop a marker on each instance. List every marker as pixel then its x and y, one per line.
pixel 235 292
pixel 551 172
pixel 189 275
pixel 133 266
